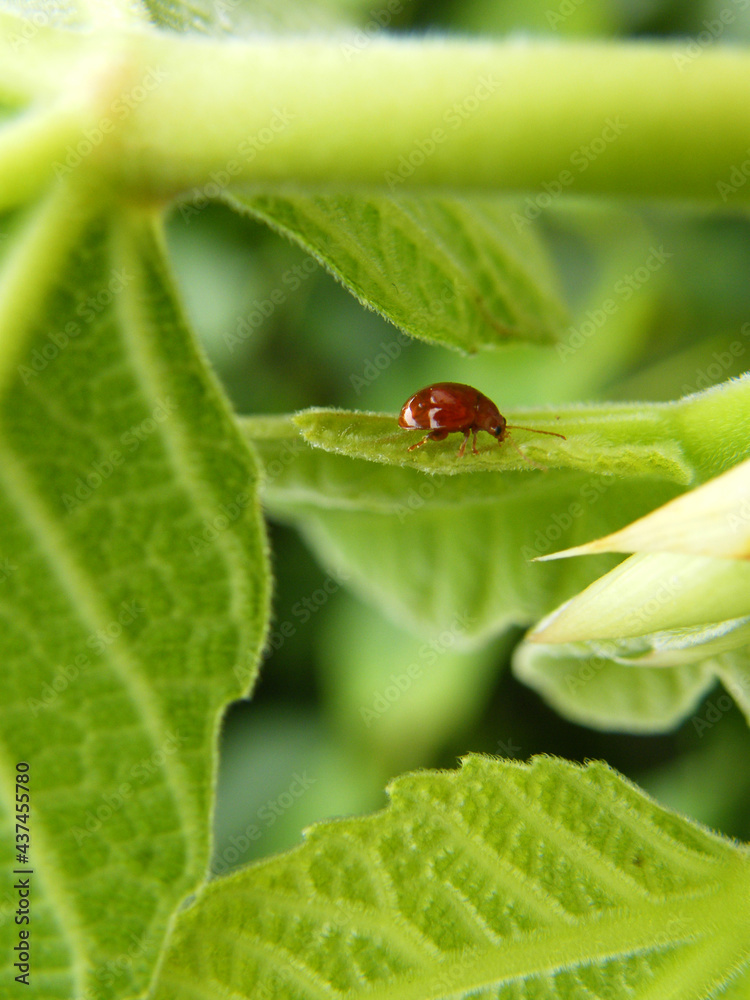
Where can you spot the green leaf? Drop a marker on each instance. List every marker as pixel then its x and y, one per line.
pixel 693 438
pixel 640 646
pixel 461 543
pixel 733 669
pixel 498 880
pixel 599 439
pixel 590 688
pixel 427 549
pixel 651 593
pixel 449 271
pixel 711 520
pixel 133 598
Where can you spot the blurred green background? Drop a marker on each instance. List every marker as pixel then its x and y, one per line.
pixel 298 752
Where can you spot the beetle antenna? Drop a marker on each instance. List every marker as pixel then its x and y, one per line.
pixel 536 430
pixel 531 462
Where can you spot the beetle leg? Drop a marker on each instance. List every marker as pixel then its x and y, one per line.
pixel 462 449
pixel 436 435
pixel 474 443
pixel 419 443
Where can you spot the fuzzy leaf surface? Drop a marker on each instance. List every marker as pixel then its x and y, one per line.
pixel 128 619
pixel 501 880
pixel 427 549
pixel 606 440
pixel 448 271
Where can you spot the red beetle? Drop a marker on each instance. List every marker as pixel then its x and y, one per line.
pixel 451 406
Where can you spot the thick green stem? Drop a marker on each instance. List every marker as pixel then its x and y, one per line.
pixel 625 119
pixel 632 119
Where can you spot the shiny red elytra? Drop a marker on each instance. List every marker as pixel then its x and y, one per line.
pixel 451 406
